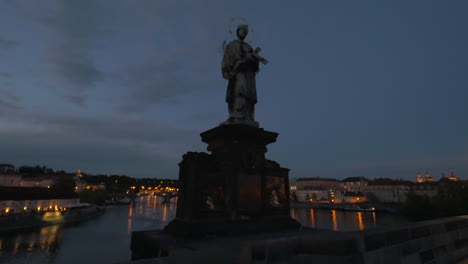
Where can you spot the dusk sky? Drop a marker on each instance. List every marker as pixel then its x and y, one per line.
pixel 354 88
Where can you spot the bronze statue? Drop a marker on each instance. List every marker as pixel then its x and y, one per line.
pixel 240 65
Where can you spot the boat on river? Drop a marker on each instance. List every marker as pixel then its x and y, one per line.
pixel 71 213
pixel 357 208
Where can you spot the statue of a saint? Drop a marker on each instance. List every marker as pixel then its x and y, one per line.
pixel 239 66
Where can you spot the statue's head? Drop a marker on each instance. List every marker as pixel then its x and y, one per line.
pixel 242 31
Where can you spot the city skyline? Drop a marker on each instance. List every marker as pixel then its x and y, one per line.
pixel 375 89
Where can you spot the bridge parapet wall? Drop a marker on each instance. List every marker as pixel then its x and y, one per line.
pixel 436 241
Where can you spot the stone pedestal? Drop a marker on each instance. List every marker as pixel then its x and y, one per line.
pixel 233 190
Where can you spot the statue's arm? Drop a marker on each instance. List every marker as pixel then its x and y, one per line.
pixel 229 65
pixel 258 57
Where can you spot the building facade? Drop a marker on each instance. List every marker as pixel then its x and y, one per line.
pixel 389 190
pixel 14 200
pixel 349 197
pixel 316 189
pixel 312 195
pixel 10 180
pixel 7 168
pixel 40 182
pixel 355 184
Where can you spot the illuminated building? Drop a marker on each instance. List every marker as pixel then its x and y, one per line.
pixel 449 178
pixel 19 199
pixel 396 191
pixel 349 197
pixel 315 189
pixel 355 184
pixel 326 183
pixel 389 190
pixel 40 182
pixel 10 179
pixel 429 178
pixel 419 178
pixel 429 189
pixel 312 194
pixel 292 187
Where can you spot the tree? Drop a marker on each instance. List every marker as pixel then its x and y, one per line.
pixel 294 196
pixel 65 183
pixel 417 207
pixel 93 197
pixel 371 197
pixel 314 197
pixel 25 169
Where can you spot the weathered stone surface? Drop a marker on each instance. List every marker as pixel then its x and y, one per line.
pixel 317 246
pixel 233 190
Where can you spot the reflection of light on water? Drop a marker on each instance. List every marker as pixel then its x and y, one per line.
pixel 172 206
pixel 360 222
pixel 148 201
pixel 293 213
pixel 130 211
pixel 44 245
pixel 31 245
pixel 140 209
pixel 153 204
pixel 52 235
pixel 48 235
pixel 44 239
pixel 164 218
pixel 374 217
pixel 17 244
pixel 130 215
pixel 334 222
pixel 312 218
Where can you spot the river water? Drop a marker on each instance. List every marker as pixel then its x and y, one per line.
pixel 106 239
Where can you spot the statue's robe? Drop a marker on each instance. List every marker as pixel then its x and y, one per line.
pixel 241 93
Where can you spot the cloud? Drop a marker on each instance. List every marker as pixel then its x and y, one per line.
pixel 74 29
pixel 61 151
pixel 4 104
pixel 79 100
pixel 416 164
pixel 154 80
pixel 84 33
pixel 135 146
pixel 9 101
pixel 391 168
pixel 77 70
pixel 5 75
pixel 8 44
pixel 171 73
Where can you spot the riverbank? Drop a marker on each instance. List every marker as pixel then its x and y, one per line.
pixel 13 223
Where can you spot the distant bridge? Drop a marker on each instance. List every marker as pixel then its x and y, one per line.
pixel 167 196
